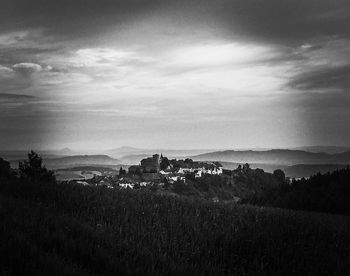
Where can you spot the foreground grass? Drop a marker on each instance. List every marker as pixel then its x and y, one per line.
pixel 73 230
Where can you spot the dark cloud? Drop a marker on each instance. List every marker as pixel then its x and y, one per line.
pixel 66 17
pixel 288 21
pixel 323 78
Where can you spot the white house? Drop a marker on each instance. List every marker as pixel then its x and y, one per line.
pixel 126 185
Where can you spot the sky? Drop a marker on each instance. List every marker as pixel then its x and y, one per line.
pixel 88 74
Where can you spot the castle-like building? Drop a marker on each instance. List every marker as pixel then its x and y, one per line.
pixel 147 165
pixel 151 164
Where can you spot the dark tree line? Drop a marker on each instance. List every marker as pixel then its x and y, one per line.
pixel 329 193
pixel 31 170
pixel 31 178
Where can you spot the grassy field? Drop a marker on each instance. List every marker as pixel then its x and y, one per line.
pixel 75 230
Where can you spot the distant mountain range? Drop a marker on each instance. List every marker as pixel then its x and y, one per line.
pixel 281 157
pixel 131 153
pixel 128 152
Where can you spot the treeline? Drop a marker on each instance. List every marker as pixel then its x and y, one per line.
pixel 329 193
pixel 30 179
pixel 241 183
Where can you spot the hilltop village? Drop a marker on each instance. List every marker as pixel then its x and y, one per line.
pixel 155 170
pixel 190 178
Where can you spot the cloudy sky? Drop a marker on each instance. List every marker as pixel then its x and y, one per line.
pixel 89 74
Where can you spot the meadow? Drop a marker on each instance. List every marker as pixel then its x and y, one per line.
pixel 56 229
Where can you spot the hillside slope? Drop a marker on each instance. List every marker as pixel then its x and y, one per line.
pixel 79 230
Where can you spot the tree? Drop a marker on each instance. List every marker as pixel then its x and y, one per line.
pixel 122 171
pixel 190 176
pixel 246 167
pixel 5 169
pixel 188 161
pixel 32 170
pixel 279 176
pixel 165 163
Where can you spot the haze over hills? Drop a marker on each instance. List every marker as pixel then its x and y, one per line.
pixel 131 151
pixel 80 160
pixel 295 163
pixel 75 161
pixel 22 154
pixel 326 149
pixel 281 157
pixel 133 159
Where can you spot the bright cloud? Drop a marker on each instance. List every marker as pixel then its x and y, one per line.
pixel 233 67
pixel 27 67
pixel 101 56
pixel 215 54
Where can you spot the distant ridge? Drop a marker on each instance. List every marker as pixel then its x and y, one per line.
pixel 65 151
pixel 128 152
pixel 80 160
pixel 276 156
pixel 325 149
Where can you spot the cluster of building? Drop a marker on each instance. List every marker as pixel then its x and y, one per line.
pixel 158 170
pixel 155 164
